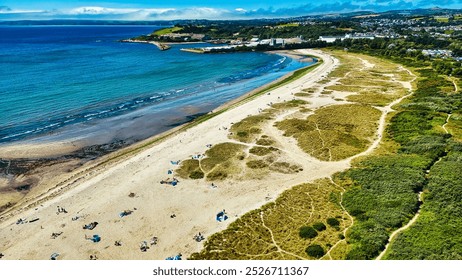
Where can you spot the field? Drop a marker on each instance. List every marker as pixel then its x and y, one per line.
pixel 169 30
pixel 307 216
pixel 353 214
pixel 310 221
pixel 327 137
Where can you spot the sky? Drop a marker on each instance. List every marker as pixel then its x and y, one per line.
pixel 199 9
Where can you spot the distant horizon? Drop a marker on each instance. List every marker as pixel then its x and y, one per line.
pixel 145 10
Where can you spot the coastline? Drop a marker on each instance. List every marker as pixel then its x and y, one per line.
pixel 80 180
pixel 159 45
pixel 54 148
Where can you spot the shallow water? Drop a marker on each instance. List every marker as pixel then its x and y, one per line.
pixel 78 81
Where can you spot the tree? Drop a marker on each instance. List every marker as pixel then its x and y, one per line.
pixel 333 222
pixel 315 251
pixel 307 232
pixel 319 226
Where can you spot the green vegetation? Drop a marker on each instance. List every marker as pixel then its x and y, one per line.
pixel 333 222
pixel 261 151
pixel 437 234
pixel 307 232
pixel 165 31
pixel 285 167
pixel 289 104
pixel 382 190
pixel 341 131
pixel 249 128
pixel 373 85
pixel 303 94
pixel 335 132
pixel 221 161
pixel 251 236
pixel 320 226
pixel 265 141
pixel 315 251
pixel 190 169
pixel 381 196
pixel 257 164
pixel 221 154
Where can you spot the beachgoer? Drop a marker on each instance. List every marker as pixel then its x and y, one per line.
pixel 154 240
pixel 118 243
pixel 144 246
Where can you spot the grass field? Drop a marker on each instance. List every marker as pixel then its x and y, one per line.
pixel 169 30
pixel 338 132
pixel 380 190
pixel 274 230
pixel 334 132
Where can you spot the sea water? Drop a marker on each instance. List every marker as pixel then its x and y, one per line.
pixel 79 81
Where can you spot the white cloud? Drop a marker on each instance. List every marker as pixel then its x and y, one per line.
pixel 106 13
pixel 111 11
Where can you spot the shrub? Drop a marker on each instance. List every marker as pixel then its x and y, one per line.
pixel 319 226
pixel 260 151
pixel 242 133
pixel 307 232
pixel 217 175
pixel 333 222
pixel 257 164
pixel 196 175
pixel 315 251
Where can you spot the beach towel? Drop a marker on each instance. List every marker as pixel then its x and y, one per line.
pixel 175 258
pixel 221 216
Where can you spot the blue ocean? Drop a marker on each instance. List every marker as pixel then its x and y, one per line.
pixel 79 81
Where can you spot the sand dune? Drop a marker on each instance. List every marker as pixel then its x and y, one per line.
pixel 101 195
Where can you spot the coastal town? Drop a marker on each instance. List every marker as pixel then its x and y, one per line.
pixel 434 35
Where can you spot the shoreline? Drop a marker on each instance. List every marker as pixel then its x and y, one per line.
pixel 159 45
pixel 43 149
pixel 66 154
pixel 174 144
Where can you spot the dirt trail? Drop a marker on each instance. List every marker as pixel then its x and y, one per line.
pixel 392 236
pixel 348 214
pixel 445 123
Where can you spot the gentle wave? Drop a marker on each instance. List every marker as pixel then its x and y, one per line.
pixel 44 94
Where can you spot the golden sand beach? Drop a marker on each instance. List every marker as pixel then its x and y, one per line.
pixel 123 194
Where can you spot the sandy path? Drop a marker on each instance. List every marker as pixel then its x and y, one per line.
pixel 396 232
pixel 445 123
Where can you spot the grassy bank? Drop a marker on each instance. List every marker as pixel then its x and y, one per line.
pixel 329 133
pixel 382 190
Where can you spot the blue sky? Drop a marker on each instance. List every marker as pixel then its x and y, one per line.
pixel 198 9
